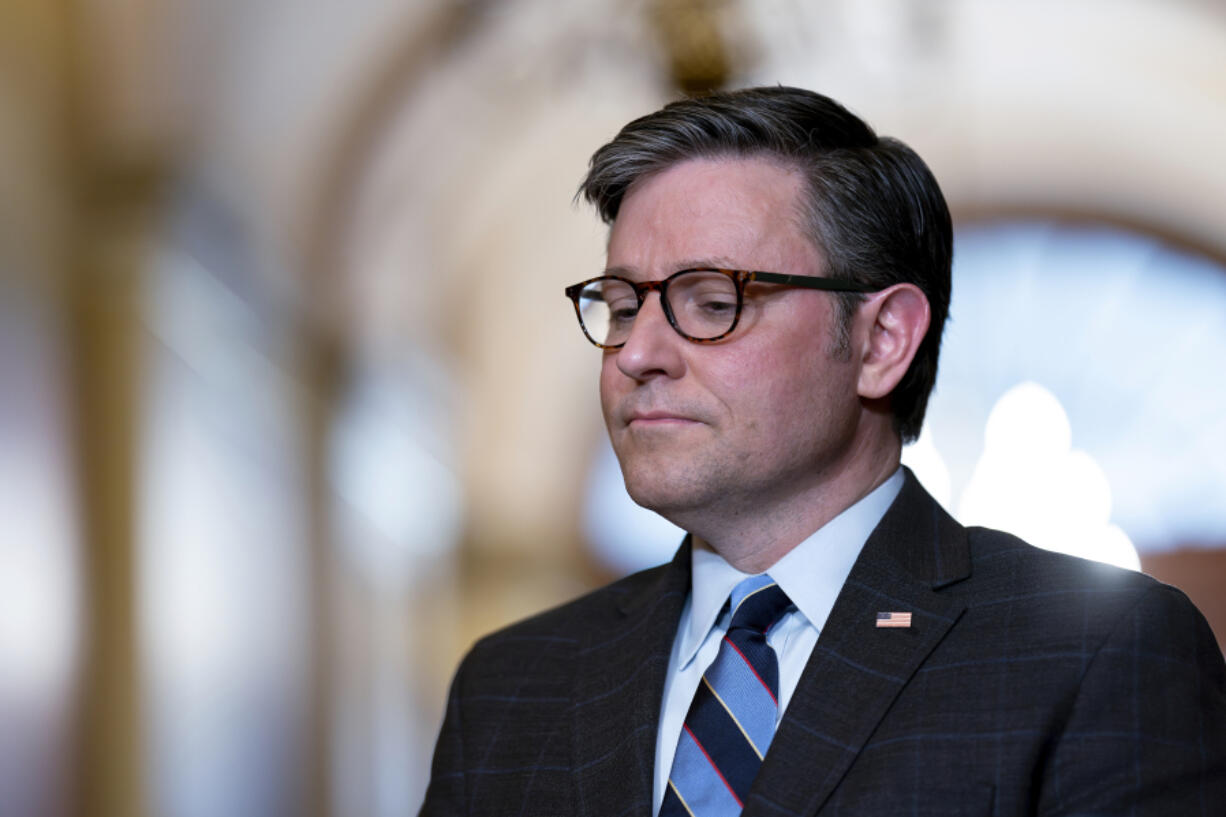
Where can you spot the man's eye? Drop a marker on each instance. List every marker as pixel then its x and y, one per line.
pixel 716 305
pixel 623 312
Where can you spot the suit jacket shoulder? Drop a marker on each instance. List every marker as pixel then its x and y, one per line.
pixel 1029 683
pixel 559 710
pixel 567 623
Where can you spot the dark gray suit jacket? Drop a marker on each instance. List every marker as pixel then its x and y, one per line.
pixel 1029 683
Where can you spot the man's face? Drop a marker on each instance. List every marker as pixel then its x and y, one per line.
pixel 746 424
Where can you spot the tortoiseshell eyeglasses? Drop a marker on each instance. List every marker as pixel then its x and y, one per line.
pixel 702 305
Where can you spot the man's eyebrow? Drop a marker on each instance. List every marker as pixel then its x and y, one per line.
pixel 718 262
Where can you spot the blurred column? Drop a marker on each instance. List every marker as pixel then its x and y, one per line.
pixel 105 342
pixel 78 223
pixel 321 371
pixel 118 128
pixel 38 545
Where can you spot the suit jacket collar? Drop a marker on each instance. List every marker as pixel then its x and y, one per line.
pixel 855 673
pixel 857 670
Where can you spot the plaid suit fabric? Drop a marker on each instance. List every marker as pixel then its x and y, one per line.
pixel 1029 683
pixel 556 715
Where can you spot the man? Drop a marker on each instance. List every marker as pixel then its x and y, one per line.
pixel 827 640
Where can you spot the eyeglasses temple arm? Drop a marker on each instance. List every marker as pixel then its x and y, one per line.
pixel 809 282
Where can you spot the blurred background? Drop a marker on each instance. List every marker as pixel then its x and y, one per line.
pixel 292 407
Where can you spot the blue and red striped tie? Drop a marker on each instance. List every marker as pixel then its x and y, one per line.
pixel 732 719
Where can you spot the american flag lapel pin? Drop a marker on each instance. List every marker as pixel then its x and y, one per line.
pixel 893 620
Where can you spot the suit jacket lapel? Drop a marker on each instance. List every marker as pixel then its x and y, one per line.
pixel 857 669
pixel 619 685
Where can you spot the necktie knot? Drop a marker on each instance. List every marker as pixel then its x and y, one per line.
pixel 757 604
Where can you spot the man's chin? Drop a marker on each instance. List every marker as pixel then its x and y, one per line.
pixel 668 497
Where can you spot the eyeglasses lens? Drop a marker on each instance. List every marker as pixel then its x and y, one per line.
pixel 703 303
pixel 607 308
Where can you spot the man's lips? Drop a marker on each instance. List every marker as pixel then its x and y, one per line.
pixel 657 418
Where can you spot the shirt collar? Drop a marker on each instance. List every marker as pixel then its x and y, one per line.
pixel 812 573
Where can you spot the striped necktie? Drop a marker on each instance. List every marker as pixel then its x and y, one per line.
pixel 732 718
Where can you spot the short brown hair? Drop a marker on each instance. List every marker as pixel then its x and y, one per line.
pixel 873 207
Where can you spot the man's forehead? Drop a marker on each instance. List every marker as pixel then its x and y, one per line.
pixel 768 172
pixel 727 213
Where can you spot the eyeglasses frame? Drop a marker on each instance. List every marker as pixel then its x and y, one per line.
pixel 739 277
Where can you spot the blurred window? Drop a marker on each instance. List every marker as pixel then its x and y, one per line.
pixel 39 559
pixel 221 549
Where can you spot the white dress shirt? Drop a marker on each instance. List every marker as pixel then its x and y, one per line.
pixel 812 574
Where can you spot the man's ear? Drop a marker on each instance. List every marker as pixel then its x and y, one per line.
pixel 896 319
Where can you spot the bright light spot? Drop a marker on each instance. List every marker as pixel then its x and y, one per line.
pixel 389 463
pixel 36 625
pixel 1031 482
pixel 37 577
pixel 1124 330
pixel 624 535
pixel 923 458
pixel 190 579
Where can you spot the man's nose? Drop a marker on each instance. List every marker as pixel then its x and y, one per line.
pixel 653 347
